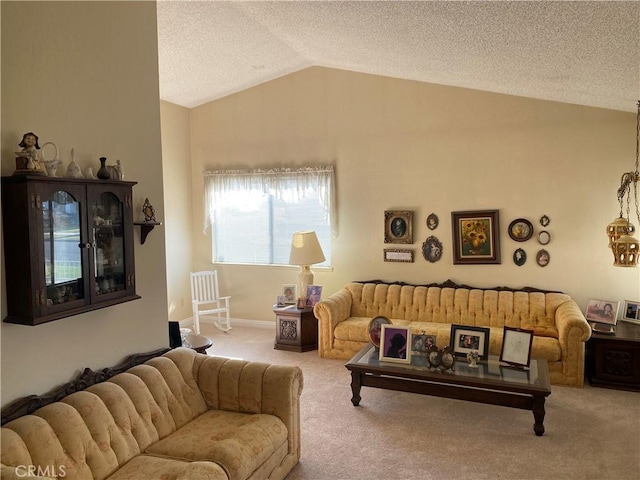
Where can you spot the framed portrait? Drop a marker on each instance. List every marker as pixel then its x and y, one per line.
pixel 398 226
pixel 398 255
pixel 476 237
pixel 520 230
pixel 432 221
pixel 464 339
pixel 543 258
pixel 394 344
pixel 314 293
pixel 516 346
pixel 432 249
pixel 289 292
pixel 631 311
pixel 602 311
pixel 375 329
pixel 519 257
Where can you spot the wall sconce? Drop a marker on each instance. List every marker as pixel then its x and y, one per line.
pixel 623 244
pixel 305 251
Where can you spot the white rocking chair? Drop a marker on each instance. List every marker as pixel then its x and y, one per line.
pixel 206 300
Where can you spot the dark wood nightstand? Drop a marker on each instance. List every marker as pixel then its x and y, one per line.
pixel 296 330
pixel 613 360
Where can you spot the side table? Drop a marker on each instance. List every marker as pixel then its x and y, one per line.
pixel 296 330
pixel 199 343
pixel 613 360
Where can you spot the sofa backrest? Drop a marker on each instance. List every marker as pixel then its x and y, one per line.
pixel 462 306
pixel 90 433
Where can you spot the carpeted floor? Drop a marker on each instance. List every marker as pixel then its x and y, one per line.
pixel 591 433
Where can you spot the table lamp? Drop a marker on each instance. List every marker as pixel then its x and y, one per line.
pixel 305 251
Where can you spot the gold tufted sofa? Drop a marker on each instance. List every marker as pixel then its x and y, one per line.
pixel 560 329
pixel 182 415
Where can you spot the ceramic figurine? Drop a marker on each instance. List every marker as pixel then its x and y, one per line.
pixel 27 160
pixel 115 171
pixel 88 173
pixel 473 357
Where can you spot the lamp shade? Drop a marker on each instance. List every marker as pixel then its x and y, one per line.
pixel 305 249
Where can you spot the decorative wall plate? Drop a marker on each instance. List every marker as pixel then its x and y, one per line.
pixel 432 221
pixel 432 249
pixel 544 237
pixel 519 257
pixel 520 230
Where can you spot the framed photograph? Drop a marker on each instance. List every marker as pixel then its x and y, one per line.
pixel 476 237
pixel 544 237
pixel 516 346
pixel 421 343
pixel 375 329
pixel 631 311
pixel 519 257
pixel 398 255
pixel 394 344
pixel 432 249
pixel 464 339
pixel 289 293
pixel 398 226
pixel 314 292
pixel 520 230
pixel 602 311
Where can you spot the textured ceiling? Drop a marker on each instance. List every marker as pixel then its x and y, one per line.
pixel 586 53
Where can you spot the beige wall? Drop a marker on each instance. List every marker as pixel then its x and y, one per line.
pixel 85 75
pixel 400 144
pixel 178 228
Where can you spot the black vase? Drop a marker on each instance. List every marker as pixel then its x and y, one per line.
pixel 103 173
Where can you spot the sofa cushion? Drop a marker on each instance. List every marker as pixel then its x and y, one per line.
pixel 150 467
pixel 239 442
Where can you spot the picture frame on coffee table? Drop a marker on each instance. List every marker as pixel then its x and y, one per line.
pixel 516 346
pixel 394 344
pixel 464 339
pixel 398 226
pixel 631 311
pixel 476 237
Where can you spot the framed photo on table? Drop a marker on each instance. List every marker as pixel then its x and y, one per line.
pixel 602 311
pixel 464 339
pixel 516 346
pixel 289 294
pixel 394 344
pixel 314 293
pixel 476 237
pixel 631 311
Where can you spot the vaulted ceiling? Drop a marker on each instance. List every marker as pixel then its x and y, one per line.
pixel 585 53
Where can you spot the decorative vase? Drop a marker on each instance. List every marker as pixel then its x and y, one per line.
pixel 103 172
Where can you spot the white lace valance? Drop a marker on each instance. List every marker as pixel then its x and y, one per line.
pixel 287 184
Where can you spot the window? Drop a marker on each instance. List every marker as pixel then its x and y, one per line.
pixel 253 214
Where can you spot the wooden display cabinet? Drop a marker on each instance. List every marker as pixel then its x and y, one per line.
pixel 68 246
pixel 296 330
pixel 613 360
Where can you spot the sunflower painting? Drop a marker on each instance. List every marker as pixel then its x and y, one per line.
pixel 476 237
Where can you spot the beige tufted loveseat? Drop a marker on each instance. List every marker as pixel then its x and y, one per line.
pixel 560 327
pixel 182 415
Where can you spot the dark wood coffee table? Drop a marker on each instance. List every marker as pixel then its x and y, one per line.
pixel 491 382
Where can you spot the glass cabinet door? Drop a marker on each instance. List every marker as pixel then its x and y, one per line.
pixel 63 248
pixel 108 240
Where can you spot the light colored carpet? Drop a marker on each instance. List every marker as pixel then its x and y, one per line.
pixel 591 433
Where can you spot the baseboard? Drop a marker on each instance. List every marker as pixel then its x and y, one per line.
pixel 240 322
